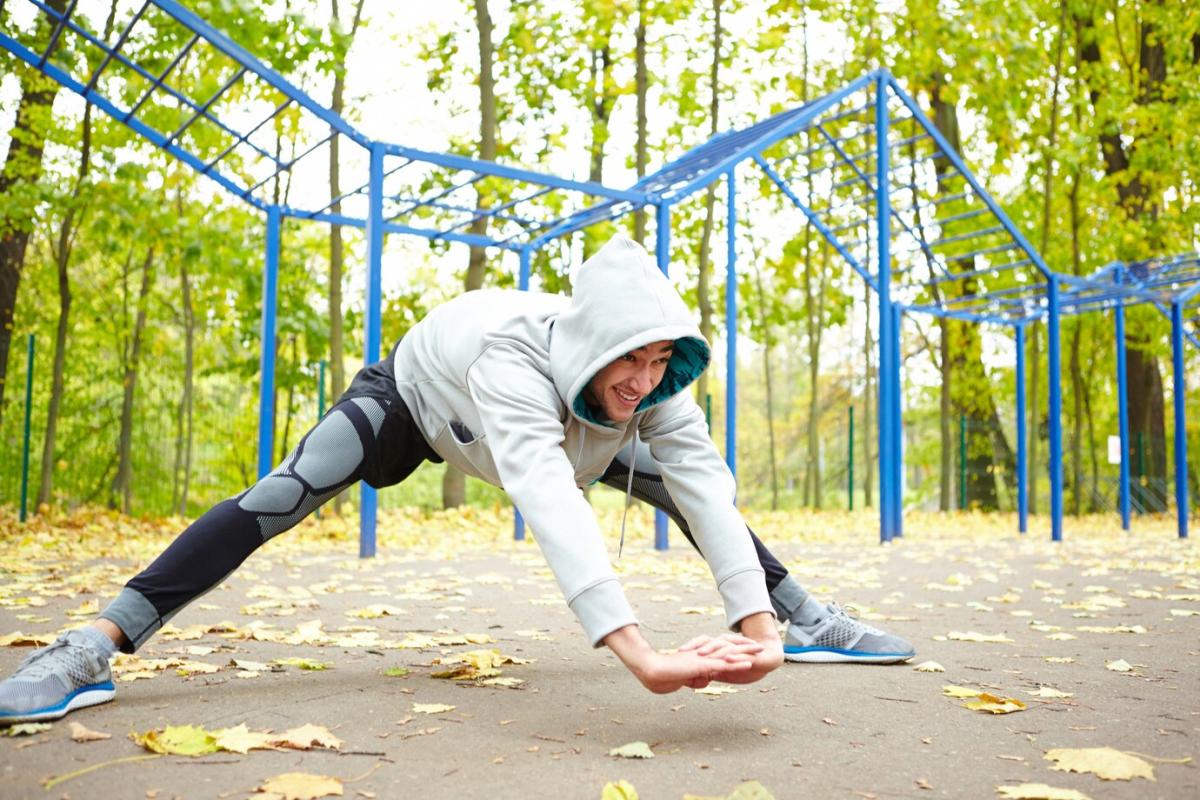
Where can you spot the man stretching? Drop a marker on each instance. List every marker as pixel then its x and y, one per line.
pixel 539 394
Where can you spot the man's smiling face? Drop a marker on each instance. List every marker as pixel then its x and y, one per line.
pixel 618 388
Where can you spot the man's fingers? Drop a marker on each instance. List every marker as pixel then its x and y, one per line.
pixel 695 643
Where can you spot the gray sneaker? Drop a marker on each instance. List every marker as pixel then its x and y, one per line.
pixel 841 638
pixel 55 681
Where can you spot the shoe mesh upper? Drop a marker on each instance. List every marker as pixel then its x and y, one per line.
pixel 51 674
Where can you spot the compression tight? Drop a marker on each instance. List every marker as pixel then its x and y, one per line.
pixel 786 594
pixel 329 458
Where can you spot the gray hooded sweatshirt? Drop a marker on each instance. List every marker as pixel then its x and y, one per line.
pixel 495 381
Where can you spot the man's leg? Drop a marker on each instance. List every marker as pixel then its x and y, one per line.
pixel 73 672
pixel 815 632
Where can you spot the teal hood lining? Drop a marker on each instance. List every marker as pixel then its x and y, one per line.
pixel 688 360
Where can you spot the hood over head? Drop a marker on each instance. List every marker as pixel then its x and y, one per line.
pixel 622 301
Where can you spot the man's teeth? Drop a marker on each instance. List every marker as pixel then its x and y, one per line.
pixel 629 398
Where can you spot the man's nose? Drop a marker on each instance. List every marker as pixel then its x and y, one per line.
pixel 643 380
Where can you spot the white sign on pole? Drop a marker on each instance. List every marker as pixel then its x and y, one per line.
pixel 1114 449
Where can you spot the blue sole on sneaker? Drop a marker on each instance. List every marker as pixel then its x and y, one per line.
pixel 92 695
pixel 834 655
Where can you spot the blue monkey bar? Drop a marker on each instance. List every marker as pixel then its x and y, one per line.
pixel 864 166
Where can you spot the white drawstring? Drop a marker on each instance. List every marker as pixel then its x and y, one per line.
pixel 628 490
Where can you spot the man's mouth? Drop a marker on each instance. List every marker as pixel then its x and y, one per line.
pixel 627 397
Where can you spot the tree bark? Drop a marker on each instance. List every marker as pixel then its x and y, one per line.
pixel 642 82
pixel 704 265
pixel 62 258
pixel 20 175
pixel 337 335
pixel 764 322
pixel 123 484
pixel 454 484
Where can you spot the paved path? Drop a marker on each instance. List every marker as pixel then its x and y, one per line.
pixel 807 731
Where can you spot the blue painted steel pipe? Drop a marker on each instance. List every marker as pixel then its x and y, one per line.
pixel 1054 383
pixel 368 505
pixel 1022 467
pixel 526 253
pixel 887 487
pixel 662 251
pixel 897 427
pixel 1181 465
pixel 266 359
pixel 731 283
pixel 1122 413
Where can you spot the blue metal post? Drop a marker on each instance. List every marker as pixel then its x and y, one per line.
pixel 1123 413
pixel 1181 465
pixel 662 251
pixel 526 253
pixel 1054 384
pixel 1022 467
pixel 266 360
pixel 897 427
pixel 373 332
pixel 731 324
pixel 28 425
pixel 887 488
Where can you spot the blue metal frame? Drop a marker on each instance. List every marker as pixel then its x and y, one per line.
pixel 662 252
pixel 855 174
pixel 1022 467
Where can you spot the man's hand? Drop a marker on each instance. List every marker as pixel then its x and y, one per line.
pixel 758 628
pixel 701 661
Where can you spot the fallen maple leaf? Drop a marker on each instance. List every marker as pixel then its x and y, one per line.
pixel 302 786
pixel 177 740
pixel 714 689
pixel 1120 665
pixel 79 733
pixel 929 666
pixel 1039 791
pixel 306 737
pixel 974 636
pixel 994 705
pixel 432 708
pixel 18 639
pixel 26 728
pixel 1047 691
pixel 621 790
pixel 632 750
pixel 1109 764
pixel 302 663
pixel 242 740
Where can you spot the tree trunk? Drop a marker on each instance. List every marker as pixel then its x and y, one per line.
pixel 62 258
pixel 184 436
pixel 337 340
pixel 704 262
pixel 642 82
pixel 1145 387
pixel 291 406
pixel 123 484
pixel 868 420
pixel 21 172
pixel 764 322
pixel 814 307
pixel 454 484
pixel 1074 366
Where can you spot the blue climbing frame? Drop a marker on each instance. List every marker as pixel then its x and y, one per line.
pixel 863 165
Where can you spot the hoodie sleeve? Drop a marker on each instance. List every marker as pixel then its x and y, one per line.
pixel 698 480
pixel 521 416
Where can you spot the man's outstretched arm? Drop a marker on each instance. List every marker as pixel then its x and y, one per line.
pixel 731 657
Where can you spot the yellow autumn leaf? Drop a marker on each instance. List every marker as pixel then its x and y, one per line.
pixel 18 639
pixel 80 733
pixel 377 610
pixel 302 786
pixel 306 737
pixel 620 790
pixel 632 750
pixel 1058 659
pixel 89 608
pixel 950 690
pixel 929 666
pixel 177 740
pixel 994 705
pixel 25 728
pixel 1047 691
pixel 1107 763
pixel 974 636
pixel 432 708
pixel 1120 665
pixel 307 664
pixel 716 689
pixel 1039 791
pixel 242 740
pixel 750 790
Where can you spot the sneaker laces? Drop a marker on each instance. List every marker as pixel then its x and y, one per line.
pixel 849 613
pixel 38 666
